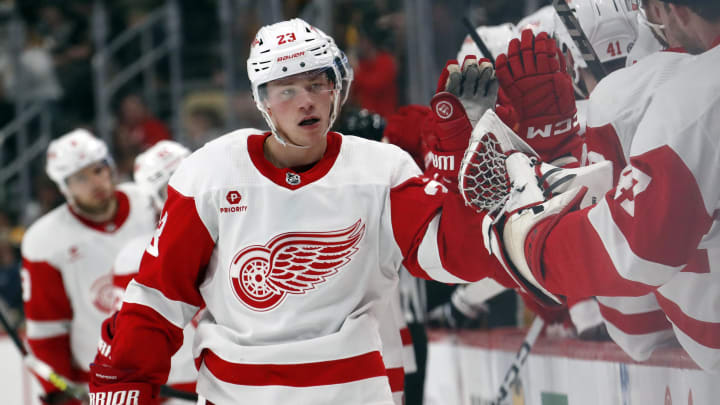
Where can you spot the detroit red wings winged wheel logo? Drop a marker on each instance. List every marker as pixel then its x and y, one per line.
pixel 291 263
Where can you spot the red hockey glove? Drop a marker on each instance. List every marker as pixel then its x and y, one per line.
pixel 109 385
pixel 534 78
pixel 463 97
pixel 506 112
pixel 403 129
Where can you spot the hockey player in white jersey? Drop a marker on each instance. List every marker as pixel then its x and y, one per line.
pixel 152 172
pixel 635 241
pixel 292 239
pixel 67 255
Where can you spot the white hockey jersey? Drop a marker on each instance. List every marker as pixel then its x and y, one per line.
pixel 293 268
pixel 656 232
pixel 67 280
pixel 619 102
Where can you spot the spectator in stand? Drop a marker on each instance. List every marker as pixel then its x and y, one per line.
pixel 137 129
pixel 65 31
pixel 10 290
pixel 203 124
pixel 375 87
pixel 46 197
pixel 36 77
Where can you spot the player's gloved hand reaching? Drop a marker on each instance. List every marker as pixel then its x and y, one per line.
pixel 455 315
pixel 109 385
pixel 463 95
pixel 524 198
pixel 474 85
pixel 533 76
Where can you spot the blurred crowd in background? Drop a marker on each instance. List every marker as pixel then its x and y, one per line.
pixel 57 56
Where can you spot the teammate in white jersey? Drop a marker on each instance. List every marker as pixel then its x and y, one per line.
pixel 656 231
pixel 68 253
pixel 152 172
pixel 292 239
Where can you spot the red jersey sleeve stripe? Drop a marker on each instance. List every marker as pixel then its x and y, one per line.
pixel 396 376
pixel 48 298
pixel 177 313
pixel 659 207
pixel 631 305
pixel 184 246
pixel 55 351
pixel 636 324
pixel 406 337
pixel 626 262
pixel 360 367
pixel 705 333
pixel 122 281
pixel 640 347
pixel 591 273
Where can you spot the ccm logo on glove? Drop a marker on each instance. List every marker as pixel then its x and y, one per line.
pixel 558 128
pixel 128 397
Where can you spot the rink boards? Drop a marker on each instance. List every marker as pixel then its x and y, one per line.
pixel 467 368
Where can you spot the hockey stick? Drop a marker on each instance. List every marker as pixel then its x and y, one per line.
pixel 46 372
pixel 578 36
pixel 40 367
pixel 167 391
pixel 478 41
pixel 520 357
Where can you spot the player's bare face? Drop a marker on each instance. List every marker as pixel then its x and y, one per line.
pixel 93 190
pixel 300 107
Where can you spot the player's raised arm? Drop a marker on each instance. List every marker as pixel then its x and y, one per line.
pixel 437 232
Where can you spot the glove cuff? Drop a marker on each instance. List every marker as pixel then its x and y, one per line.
pixel 123 394
pixel 109 385
pixel 524 235
pixel 452 126
pixel 553 136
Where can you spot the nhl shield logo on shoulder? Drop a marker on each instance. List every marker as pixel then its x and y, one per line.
pixel 292 179
pixel 295 263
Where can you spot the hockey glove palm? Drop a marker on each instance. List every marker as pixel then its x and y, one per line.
pixel 534 77
pixel 463 96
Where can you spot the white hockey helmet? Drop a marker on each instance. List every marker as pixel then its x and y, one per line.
pixel 347 75
pixel 72 152
pixel 610 26
pixel 495 37
pixel 542 20
pixel 285 49
pixel 154 167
